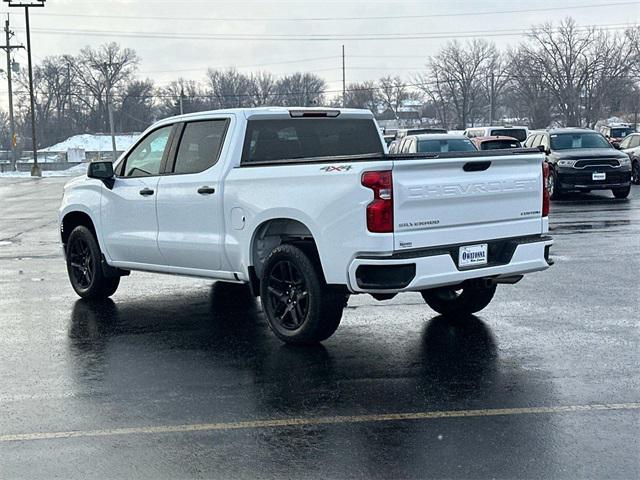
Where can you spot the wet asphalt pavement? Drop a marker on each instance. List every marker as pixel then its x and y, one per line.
pixel 179 378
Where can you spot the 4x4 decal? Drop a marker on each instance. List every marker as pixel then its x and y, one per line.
pixel 337 168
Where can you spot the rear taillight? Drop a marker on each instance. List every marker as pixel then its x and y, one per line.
pixel 545 189
pixel 380 210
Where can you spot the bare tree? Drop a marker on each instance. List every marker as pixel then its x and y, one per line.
pixel 103 72
pixel 393 92
pixel 192 93
pixel 458 72
pixel 528 95
pixel 137 110
pixel 300 90
pixel 262 88
pixel 362 95
pixel 228 89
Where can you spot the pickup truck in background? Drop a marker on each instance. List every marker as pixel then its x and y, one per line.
pixel 306 207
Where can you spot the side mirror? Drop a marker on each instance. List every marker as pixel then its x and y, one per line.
pixel 616 145
pixel 102 171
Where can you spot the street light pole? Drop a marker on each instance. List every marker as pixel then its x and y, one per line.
pixel 26 4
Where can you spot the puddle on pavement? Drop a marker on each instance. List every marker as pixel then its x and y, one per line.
pixel 584 226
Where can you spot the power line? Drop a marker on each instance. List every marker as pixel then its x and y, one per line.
pixel 317 37
pixel 299 60
pixel 473 13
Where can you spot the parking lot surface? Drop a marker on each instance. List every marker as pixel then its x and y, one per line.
pixel 181 378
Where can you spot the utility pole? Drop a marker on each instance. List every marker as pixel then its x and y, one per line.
pixel 491 98
pixel 12 126
pixel 181 98
pixel 26 4
pixel 110 112
pixel 344 81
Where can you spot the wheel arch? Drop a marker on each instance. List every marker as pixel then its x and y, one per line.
pixel 277 231
pixel 73 219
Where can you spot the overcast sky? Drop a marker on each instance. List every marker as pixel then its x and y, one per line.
pixel 183 38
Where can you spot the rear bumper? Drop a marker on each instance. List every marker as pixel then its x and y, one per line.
pixel 421 270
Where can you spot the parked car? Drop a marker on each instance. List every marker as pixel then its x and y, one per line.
pixel 495 143
pixel 615 133
pixel 304 206
pixel 582 160
pixel 435 143
pixel 517 132
pixel 631 146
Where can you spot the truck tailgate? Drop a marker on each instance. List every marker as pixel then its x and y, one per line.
pixel 463 199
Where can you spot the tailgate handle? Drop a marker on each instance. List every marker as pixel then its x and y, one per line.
pixel 476 166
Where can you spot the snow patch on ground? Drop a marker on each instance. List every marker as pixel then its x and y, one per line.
pixel 70 172
pixel 93 143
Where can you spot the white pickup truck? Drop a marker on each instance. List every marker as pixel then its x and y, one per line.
pixel 306 207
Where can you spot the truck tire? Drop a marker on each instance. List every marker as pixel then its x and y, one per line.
pixel 84 266
pixel 553 186
pixel 621 192
pixel 459 300
pixel 298 304
pixel 635 172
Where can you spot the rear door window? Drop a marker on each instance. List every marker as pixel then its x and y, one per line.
pixel 200 145
pixel 309 138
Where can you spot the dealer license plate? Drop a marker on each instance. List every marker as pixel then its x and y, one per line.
pixel 472 255
pixel 599 176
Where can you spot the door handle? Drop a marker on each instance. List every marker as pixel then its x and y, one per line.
pixel 145 192
pixel 206 190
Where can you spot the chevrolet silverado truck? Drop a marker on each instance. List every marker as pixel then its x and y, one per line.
pixel 306 207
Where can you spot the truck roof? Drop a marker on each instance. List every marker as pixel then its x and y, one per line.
pixel 278 112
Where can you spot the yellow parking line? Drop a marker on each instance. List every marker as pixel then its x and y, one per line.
pixel 298 422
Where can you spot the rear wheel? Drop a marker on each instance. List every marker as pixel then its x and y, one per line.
pixel 621 192
pixel 462 299
pixel 299 306
pixel 84 266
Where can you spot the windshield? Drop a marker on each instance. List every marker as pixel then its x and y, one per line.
pixel 570 141
pixel 441 146
pixel 499 144
pixel 519 134
pixel 620 132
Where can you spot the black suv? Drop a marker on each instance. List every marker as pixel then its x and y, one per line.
pixel 582 160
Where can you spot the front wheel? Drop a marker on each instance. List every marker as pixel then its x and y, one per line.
pixel 299 306
pixel 553 187
pixel 621 192
pixel 635 172
pixel 462 299
pixel 84 266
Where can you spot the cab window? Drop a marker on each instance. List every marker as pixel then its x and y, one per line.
pixel 200 146
pixel 145 159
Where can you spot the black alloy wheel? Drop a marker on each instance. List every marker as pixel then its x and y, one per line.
pixel 84 266
pixel 81 262
pixel 288 295
pixel 300 307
